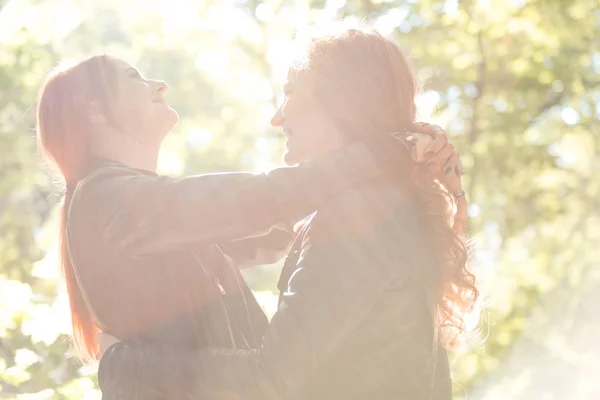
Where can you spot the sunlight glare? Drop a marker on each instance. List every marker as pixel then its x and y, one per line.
pixel 264 12
pixel 391 20
pixel 178 15
pixel 262 161
pixel 53 21
pixel 427 103
pixel 199 138
pixel 170 163
pixel 451 8
pixel 569 116
pixel 213 62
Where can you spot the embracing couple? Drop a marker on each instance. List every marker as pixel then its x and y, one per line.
pixel 374 287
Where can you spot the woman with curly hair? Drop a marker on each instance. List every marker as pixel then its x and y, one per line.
pixel 376 285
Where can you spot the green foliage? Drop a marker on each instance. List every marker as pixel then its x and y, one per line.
pixel 514 82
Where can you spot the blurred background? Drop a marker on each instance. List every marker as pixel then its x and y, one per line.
pixel 515 83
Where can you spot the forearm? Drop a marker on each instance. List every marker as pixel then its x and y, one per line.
pixel 260 250
pixel 143 214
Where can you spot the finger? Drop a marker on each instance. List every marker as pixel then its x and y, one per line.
pixel 428 129
pixel 437 145
pixel 452 163
pixel 421 142
pixel 440 159
pixel 459 169
pixel 450 177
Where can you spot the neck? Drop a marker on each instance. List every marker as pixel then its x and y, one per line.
pixel 137 159
pixel 130 152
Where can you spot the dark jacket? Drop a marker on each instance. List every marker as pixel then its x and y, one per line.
pixel 354 319
pixel 156 257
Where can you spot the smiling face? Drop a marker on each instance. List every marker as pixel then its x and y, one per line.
pixel 347 86
pixel 139 107
pixel 309 130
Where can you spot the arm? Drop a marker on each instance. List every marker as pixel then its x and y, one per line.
pixel 333 288
pixel 267 249
pixel 146 214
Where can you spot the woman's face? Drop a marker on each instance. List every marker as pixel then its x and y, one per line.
pixel 139 105
pixel 309 130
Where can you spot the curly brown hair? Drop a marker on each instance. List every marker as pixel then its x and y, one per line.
pixel 367 86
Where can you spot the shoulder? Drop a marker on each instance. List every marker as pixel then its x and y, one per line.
pixel 106 190
pixel 116 183
pixel 109 176
pixel 381 224
pixel 363 212
pixel 359 234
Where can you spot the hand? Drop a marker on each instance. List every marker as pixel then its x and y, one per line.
pixel 105 341
pixel 432 148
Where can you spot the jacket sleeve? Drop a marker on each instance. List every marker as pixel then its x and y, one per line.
pixel 261 250
pixel 333 288
pixel 144 214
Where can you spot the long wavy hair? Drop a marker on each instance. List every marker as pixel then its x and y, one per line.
pixel 365 83
pixel 64 127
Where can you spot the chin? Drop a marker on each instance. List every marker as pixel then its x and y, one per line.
pixel 292 158
pixel 173 116
pixel 170 120
pixel 164 126
pixel 288 158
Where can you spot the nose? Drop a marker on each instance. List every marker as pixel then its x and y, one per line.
pixel 277 118
pixel 160 87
